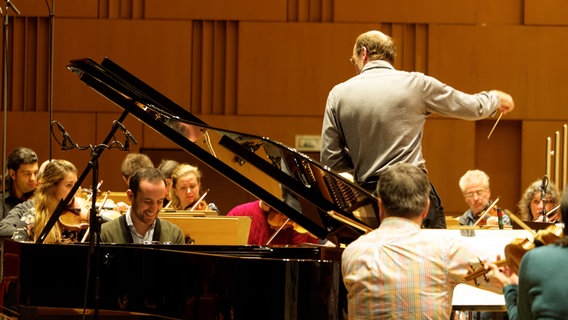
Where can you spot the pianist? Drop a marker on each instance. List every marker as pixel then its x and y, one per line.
pixel 400 271
pixel 140 224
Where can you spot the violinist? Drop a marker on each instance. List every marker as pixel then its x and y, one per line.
pixel 57 179
pixel 167 167
pixel 541 288
pixel 266 221
pixel 186 189
pixel 532 204
pixel 474 185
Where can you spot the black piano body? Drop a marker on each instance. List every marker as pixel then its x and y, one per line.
pixel 172 282
pixel 202 282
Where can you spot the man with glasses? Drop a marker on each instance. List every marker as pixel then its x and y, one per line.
pixel 474 185
pixel 376 119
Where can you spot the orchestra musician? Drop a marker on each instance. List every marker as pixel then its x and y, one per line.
pixel 538 291
pixel 140 224
pixel 20 178
pixel 266 221
pixel 57 179
pixel 167 167
pixel 186 189
pixel 400 271
pixel 9 223
pixel 132 162
pixel 474 185
pixel 531 204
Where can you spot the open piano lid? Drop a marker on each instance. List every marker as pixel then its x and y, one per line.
pixel 289 181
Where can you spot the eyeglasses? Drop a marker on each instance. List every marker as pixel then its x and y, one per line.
pixel 478 193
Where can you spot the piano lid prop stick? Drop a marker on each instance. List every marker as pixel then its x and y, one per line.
pixel 199 200
pixel 486 212
pixel 494 126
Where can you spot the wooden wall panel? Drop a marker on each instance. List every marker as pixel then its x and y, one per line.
pixel 406 11
pixel 499 158
pixel 31 129
pixel 445 167
pixel 60 8
pixel 249 10
pixel 546 12
pixel 157 52
pixel 293 75
pixel 533 156
pixel 502 12
pixel 459 56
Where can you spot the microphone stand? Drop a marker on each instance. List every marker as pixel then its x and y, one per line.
pixel 9 5
pixel 94 246
pixel 95 222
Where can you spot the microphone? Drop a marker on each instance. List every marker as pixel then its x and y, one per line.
pixel 544 185
pixel 128 136
pixel 67 142
pixel 11 5
pixel 543 190
pixel 211 206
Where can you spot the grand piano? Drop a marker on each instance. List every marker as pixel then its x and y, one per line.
pixel 193 281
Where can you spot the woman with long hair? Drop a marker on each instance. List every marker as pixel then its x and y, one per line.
pixel 57 179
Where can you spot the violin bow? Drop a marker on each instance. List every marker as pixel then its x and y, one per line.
pixel 494 126
pixel 199 200
pixel 86 235
pixel 486 211
pixel 521 223
pixel 549 213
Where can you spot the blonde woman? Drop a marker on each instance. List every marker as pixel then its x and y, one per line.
pixel 57 179
pixel 186 188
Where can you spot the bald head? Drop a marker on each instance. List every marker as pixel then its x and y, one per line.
pixel 377 45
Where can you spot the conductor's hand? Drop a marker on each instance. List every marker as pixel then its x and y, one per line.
pixel 506 103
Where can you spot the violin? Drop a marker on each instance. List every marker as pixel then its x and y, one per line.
pixel 200 204
pixel 76 216
pixel 492 215
pixel 515 250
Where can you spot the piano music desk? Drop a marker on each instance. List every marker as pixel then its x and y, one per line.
pixel 212 230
